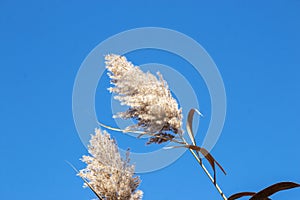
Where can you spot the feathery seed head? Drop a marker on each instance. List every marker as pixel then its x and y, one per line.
pixel 107 173
pixel 148 97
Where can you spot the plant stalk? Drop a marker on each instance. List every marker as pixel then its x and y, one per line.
pixel 208 174
pixel 183 141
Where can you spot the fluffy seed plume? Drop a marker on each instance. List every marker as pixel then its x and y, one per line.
pixel 148 97
pixel 110 176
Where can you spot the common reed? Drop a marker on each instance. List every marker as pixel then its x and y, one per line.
pixel 158 115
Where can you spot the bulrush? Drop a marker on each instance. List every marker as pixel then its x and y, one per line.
pixel 148 97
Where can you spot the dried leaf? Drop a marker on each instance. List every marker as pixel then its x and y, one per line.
pixel 263 194
pixel 209 158
pixel 240 194
pixel 189 124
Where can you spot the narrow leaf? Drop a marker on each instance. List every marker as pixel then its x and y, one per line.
pixel 263 194
pixel 243 194
pixel 209 158
pixel 240 194
pixel 189 124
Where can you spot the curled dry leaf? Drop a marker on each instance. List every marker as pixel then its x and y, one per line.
pixel 189 124
pixel 267 192
pixel 203 151
pixel 212 161
pixel 242 194
pixel 263 194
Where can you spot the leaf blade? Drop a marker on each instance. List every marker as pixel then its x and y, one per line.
pixel 212 161
pixel 274 189
pixel 240 194
pixel 189 124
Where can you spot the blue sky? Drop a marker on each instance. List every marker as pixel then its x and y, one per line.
pixel 255 45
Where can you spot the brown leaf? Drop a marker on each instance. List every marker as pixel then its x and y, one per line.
pixel 263 194
pixel 243 194
pixel 240 194
pixel 209 158
pixel 189 124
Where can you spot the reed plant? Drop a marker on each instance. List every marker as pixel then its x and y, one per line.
pixel 157 115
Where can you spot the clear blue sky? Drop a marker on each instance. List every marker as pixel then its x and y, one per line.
pixel 256 46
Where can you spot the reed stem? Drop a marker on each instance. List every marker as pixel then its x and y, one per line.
pixel 183 141
pixel 209 175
